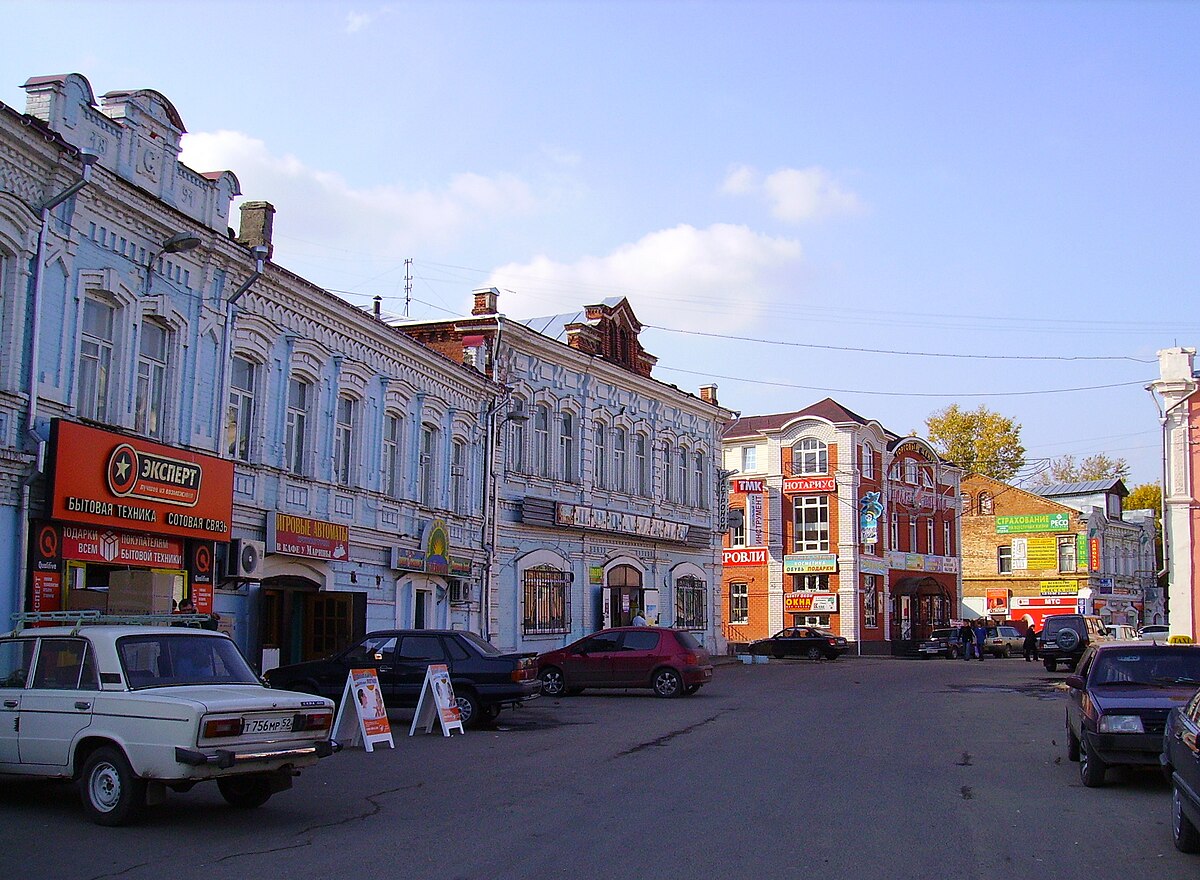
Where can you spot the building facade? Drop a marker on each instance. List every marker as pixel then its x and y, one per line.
pixel 179 416
pixel 1068 548
pixel 838 523
pixel 608 498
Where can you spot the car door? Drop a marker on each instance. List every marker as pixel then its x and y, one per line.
pixel 16 658
pixel 1076 696
pixel 1185 751
pixel 639 654
pixel 589 663
pixel 414 654
pixel 58 703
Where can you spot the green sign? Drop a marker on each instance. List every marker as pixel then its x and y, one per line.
pixel 1033 522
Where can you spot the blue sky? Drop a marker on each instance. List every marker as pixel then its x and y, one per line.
pixel 999 180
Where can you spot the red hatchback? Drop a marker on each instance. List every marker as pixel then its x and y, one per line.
pixel 669 661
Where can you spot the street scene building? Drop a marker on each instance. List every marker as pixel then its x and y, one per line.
pixel 1068 548
pixel 607 487
pixel 839 523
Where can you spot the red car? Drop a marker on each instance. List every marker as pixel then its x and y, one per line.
pixel 669 661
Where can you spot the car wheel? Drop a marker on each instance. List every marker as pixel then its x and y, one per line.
pixel 1091 768
pixel 691 689
pixel 1072 746
pixel 952 654
pixel 667 683
pixel 468 708
pixel 1067 639
pixel 1183 833
pixel 112 794
pixel 1050 665
pixel 814 653
pixel 490 713
pixel 245 792
pixel 778 655
pixel 1004 652
pixel 553 682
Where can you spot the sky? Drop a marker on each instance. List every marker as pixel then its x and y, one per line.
pixel 899 205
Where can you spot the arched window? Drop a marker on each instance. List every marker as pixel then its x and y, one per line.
pixel 541 440
pixel 966 501
pixel 868 461
pixel 910 471
pixel 691 609
pixel 620 465
pixel 600 456
pixel 427 464
pixel 986 508
pixel 810 456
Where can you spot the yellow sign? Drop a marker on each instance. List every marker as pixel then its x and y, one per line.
pixel 1058 588
pixel 1180 640
pixel 1042 554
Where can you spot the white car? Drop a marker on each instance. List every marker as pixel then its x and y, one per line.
pixel 132 711
pixel 1158 631
pixel 1122 632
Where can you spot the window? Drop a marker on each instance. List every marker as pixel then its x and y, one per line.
pixel 965 501
pixel 681 464
pixel 639 640
pixel 870 601
pixel 240 421
pixel 15 657
pixel 566 448
pixel 641 465
pixel 1004 559
pixel 427 465
pixel 947 545
pixel 894 531
pixel 516 439
pixel 868 461
pixel 690 608
pixel 343 440
pixel 912 534
pixel 749 459
pixel 668 491
pixel 929 534
pixel 810 456
pixel 393 444
pixel 620 464
pixel 700 496
pixel 739 603
pixel 541 440
pixel 66 664
pixel 811 583
pixel 545 598
pixel 737 527
pixel 151 394
pixel 600 457
pixel 95 359
pixel 458 476
pixel 1066 553
pixel 986 508
pixel 296 429
pixel 811 514
pixel 910 471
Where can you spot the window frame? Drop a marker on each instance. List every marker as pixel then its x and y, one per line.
pixel 295 441
pixel 150 383
pixel 568 461
pixel 94 384
pixel 739 603
pixel 545 588
pixel 1004 560
pixel 241 409
pixel 802 505
pixel 427 463
pixel 691 604
pixel 810 456
pixel 392 453
pixel 345 414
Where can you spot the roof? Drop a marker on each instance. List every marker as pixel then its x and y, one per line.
pixel 1087 487
pixel 555 326
pixel 828 409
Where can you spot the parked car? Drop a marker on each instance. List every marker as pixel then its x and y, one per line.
pixel 801 641
pixel 1122 632
pixel 1065 637
pixel 669 661
pixel 485 679
pixel 943 643
pixel 1159 631
pixel 1117 704
pixel 1003 641
pixel 1181 764
pixel 132 711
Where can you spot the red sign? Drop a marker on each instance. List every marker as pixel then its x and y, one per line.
pixel 809 484
pixel 112 481
pixel 201 559
pixel 749 486
pixel 744 556
pixel 1094 554
pixel 121 548
pixel 997 600
pixel 310 538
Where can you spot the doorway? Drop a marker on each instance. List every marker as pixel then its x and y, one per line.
pixel 422 603
pixel 625 594
pixel 303 623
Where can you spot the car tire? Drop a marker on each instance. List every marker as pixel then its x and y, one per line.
pixel 1004 653
pixel 490 713
pixel 554 683
pixel 1050 665
pixel 1067 639
pixel 666 682
pixel 814 653
pixel 245 792
pixel 691 689
pixel 112 794
pixel 952 654
pixel 468 708
pixel 1072 746
pixel 1183 833
pixel 1092 769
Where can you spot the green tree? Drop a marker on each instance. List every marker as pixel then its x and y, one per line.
pixel 1095 467
pixel 1147 496
pixel 979 440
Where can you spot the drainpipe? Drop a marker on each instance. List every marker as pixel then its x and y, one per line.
pixel 260 256
pixel 88 159
pixel 489 499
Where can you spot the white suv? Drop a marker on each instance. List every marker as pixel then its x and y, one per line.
pixel 131 711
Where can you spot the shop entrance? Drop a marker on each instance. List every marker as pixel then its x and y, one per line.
pixel 919 605
pixel 301 622
pixel 625 594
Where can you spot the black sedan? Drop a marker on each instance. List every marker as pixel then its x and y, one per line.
pixel 484 678
pixel 1181 762
pixel 1118 702
pixel 801 641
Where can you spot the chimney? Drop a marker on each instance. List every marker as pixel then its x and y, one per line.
pixel 258 219
pixel 708 393
pixel 485 301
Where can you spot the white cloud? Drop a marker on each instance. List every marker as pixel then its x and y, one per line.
pixel 717 278
pixel 795 195
pixel 356 21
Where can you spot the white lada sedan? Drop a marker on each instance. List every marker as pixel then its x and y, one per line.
pixel 131 711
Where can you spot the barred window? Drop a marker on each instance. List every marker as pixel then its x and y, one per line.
pixel 691 611
pixel 547 600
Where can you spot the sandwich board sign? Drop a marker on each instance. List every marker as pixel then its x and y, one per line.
pixel 362 716
pixel 437 703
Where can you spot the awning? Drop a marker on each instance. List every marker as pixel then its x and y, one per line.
pixel 918 586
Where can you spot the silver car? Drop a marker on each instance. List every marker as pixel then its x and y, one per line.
pixel 1003 641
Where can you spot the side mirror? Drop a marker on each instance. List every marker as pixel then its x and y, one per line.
pixel 1075 682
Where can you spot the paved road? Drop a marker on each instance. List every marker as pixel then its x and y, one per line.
pixel 863 768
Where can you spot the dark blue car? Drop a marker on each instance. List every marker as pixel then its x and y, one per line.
pixel 1181 763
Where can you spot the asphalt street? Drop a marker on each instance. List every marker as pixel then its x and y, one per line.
pixel 864 768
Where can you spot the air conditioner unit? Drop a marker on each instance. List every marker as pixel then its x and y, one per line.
pixel 245 561
pixel 460 592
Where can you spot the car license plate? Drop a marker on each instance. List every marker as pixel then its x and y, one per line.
pixel 268 725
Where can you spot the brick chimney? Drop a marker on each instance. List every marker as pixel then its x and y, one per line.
pixel 485 300
pixel 258 220
pixel 708 393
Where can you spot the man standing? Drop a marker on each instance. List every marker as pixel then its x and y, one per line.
pixel 1031 651
pixel 967 637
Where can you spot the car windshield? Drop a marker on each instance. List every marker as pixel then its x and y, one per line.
pixel 1149 667
pixel 168 659
pixel 940 634
pixel 1054 624
pixel 481 645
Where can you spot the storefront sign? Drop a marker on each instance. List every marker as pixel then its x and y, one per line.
pixel 1094 554
pixel 922 562
pixel 200 562
pixel 794 485
pixel 744 556
pixel 755 534
pixel 916 498
pixel 810 603
pixel 597 519
pixel 408 560
pixel 46 568
pixel 310 538
pixel 112 481
pixel 997 601
pixel 1058 588
pixel 867 565
pixel 437 548
pixel 750 486
pixel 460 567
pixel 1033 522
pixel 810 563
pixel 870 511
pixel 1041 554
pixel 121 548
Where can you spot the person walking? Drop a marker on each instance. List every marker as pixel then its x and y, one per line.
pixel 967 637
pixel 980 638
pixel 1031 651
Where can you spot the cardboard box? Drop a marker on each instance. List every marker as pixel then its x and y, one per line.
pixel 86 600
pixel 138 591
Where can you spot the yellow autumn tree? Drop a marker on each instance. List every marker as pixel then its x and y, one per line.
pixel 978 440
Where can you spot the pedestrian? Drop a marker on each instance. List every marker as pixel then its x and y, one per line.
pixel 967 637
pixel 1031 651
pixel 980 637
pixel 639 619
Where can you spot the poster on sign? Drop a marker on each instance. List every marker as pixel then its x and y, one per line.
pixel 362 715
pixel 437 703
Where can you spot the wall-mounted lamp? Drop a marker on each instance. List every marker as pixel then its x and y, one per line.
pixel 180 242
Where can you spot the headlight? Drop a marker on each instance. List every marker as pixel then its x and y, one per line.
pixel 1121 724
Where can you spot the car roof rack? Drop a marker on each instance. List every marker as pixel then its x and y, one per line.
pixel 89 617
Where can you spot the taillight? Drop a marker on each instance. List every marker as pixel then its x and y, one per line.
pixel 312 721
pixel 833 641
pixel 223 727
pixel 691 659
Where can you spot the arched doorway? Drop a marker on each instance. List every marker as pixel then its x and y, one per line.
pixel 919 605
pixel 624 594
pixel 299 621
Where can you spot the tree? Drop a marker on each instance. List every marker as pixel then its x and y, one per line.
pixel 979 440
pixel 1094 467
pixel 1147 496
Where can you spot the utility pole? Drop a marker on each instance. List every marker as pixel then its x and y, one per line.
pixel 407 284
